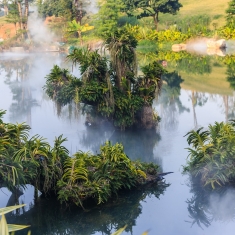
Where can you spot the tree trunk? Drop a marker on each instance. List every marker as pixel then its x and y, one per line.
pixel 194 101
pixel 26 13
pixel 20 15
pixel 155 18
pixel 147 120
pixel 15 28
pixel 78 11
pixel 80 37
pixel 225 98
pixel 5 10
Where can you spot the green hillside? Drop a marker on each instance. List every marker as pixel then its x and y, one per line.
pixel 208 7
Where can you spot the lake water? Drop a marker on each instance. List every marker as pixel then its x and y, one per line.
pixel 199 100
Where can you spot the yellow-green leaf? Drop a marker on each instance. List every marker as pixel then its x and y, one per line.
pixel 15 227
pixel 9 209
pixel 3 226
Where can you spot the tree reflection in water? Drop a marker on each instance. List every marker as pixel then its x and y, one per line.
pixel 230 101
pixel 169 100
pixel 20 87
pixel 49 217
pixel 138 144
pixel 208 205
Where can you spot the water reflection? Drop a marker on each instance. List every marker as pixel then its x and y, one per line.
pixel 49 217
pixel 207 206
pixel 186 101
pixel 138 144
pixel 171 105
pixel 18 71
pixel 16 75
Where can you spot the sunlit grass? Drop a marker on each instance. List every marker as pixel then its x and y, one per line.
pixel 214 9
pixel 200 7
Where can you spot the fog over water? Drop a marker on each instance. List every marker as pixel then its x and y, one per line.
pixel 22 77
pixel 22 95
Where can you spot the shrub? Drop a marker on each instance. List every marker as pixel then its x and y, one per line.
pixel 212 156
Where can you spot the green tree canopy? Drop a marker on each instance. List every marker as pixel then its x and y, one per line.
pixel 107 18
pixel 146 8
pixel 70 9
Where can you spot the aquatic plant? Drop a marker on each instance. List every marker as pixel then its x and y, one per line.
pixel 50 169
pixel 29 160
pixel 211 158
pixel 111 87
pixel 101 176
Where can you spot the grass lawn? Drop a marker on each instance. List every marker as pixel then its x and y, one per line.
pixel 201 7
pixel 214 9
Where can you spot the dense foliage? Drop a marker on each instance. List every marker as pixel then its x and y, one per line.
pixel 111 87
pixel 198 25
pixel 169 35
pixel 9 229
pixel 31 160
pixel 211 158
pixel 69 9
pixel 143 8
pixel 27 159
pixel 106 20
pixel 102 175
pixel 17 13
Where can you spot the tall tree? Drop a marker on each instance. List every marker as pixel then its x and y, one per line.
pixel 70 9
pixel 146 8
pixel 18 12
pixel 5 5
pixel 109 12
pixel 13 16
pixel 26 14
pixel 121 46
pixel 76 27
pixel 80 9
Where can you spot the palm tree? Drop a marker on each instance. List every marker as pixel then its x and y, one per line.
pixel 77 27
pixel 121 45
pixel 55 80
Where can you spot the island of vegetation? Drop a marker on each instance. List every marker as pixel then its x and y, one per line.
pixel 113 87
pixel 73 179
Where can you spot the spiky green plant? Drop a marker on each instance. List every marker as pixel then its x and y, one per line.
pixel 212 156
pixel 100 176
pixel 51 170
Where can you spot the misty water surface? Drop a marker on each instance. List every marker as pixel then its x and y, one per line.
pixel 182 107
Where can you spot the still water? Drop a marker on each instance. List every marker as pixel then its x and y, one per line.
pixel 191 101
